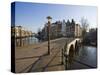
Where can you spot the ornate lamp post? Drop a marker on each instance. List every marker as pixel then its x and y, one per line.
pixel 49 23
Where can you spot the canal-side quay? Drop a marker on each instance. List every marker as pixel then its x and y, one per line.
pixel 26 56
pixel 34 57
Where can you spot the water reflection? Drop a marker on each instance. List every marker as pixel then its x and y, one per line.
pixel 26 41
pixel 88 54
pixel 84 57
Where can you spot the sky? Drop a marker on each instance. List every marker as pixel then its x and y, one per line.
pixel 32 16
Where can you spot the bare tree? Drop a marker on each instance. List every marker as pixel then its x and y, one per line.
pixel 85 25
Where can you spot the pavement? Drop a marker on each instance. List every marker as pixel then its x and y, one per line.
pixel 34 58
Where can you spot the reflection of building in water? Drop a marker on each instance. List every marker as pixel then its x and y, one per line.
pixel 22 36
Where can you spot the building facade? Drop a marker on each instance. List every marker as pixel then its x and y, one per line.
pixel 62 29
pixel 73 29
pixel 20 35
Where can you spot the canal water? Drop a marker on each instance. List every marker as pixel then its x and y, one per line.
pixel 33 40
pixel 84 58
pixel 27 41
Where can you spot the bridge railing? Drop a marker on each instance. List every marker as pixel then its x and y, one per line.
pixel 65 56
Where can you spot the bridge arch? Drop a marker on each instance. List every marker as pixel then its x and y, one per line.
pixel 76 45
pixel 71 54
pixel 71 50
pixel 72 45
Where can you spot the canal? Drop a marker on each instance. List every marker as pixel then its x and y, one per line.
pixel 84 58
pixel 26 41
pixel 33 40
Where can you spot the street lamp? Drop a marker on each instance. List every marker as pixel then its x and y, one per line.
pixel 49 23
